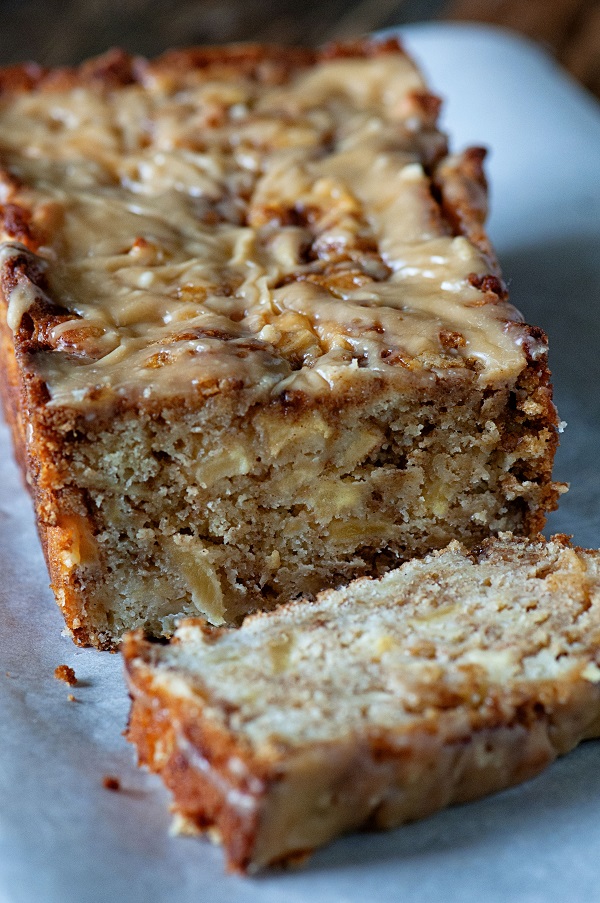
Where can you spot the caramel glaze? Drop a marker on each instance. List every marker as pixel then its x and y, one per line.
pixel 200 229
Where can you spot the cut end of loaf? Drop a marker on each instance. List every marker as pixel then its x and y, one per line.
pixel 214 514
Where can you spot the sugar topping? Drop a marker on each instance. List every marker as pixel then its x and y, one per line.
pixel 203 230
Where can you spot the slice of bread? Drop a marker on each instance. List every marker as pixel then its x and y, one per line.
pixel 447 679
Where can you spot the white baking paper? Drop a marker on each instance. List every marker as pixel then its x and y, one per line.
pixel 64 838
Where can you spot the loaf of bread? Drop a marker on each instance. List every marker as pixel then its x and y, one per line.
pixel 255 341
pixel 449 678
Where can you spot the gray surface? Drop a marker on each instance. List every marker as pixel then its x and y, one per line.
pixel 64 839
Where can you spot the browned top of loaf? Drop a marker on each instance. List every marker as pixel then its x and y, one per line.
pixel 244 217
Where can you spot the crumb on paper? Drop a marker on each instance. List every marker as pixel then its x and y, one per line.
pixel 66 673
pixel 110 782
pixel 72 698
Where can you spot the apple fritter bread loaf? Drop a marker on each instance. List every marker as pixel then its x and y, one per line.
pixel 255 339
pixel 447 679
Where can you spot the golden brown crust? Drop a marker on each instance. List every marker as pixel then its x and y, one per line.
pixel 463 189
pixel 515 754
pixel 116 68
pixel 156 728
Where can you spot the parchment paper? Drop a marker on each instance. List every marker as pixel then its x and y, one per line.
pixel 64 837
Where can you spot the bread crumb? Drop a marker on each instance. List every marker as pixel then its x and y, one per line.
pixel 72 698
pixel 66 673
pixel 110 782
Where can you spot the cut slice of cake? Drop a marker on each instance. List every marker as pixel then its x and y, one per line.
pixel 255 340
pixel 447 679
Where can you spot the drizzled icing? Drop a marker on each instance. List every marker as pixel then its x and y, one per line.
pixel 219 231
